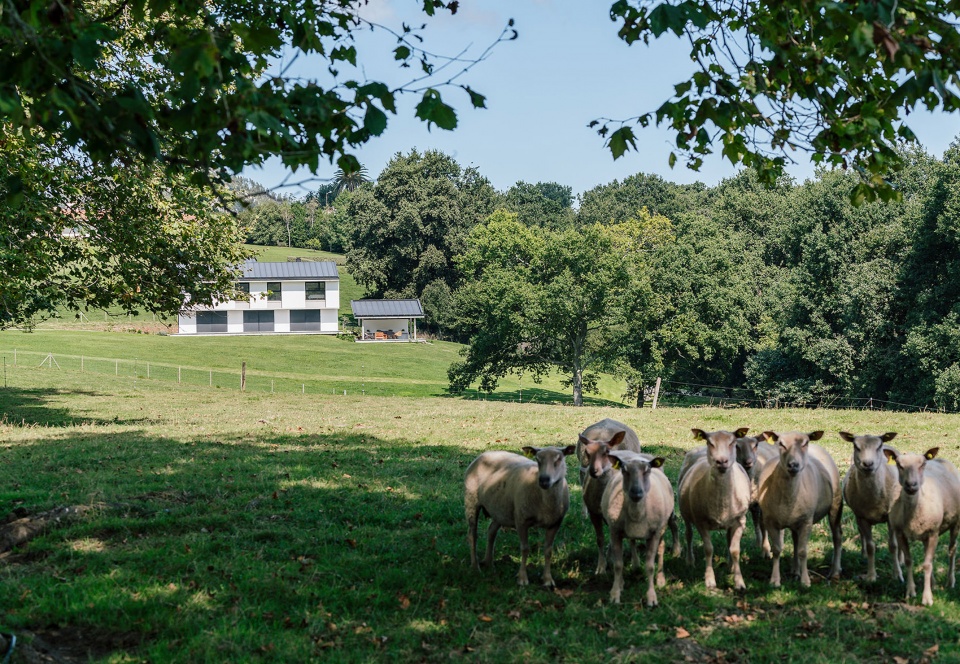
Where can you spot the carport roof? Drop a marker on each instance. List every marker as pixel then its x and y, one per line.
pixel 386 308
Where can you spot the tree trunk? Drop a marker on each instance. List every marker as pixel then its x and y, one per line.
pixel 640 398
pixel 577 386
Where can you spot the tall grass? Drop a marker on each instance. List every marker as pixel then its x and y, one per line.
pixel 255 527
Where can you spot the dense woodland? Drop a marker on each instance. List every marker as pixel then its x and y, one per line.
pixel 792 292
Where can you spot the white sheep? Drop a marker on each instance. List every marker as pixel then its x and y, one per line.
pixel 715 495
pixel 928 505
pixel 637 505
pixel 596 463
pixel 870 487
pixel 753 456
pixel 518 492
pixel 615 434
pixel 797 491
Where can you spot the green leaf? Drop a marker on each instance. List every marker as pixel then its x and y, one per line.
pixel 432 110
pixel 375 120
pixel 477 99
pixel 621 140
pixel 401 53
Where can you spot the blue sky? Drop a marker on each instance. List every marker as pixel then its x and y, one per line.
pixel 566 68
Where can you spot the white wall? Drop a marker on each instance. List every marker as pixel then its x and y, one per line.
pixel 234 322
pixel 281 318
pixel 186 324
pixel 329 321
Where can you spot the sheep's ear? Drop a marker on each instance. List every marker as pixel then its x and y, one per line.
pixel 771 437
pixel 887 437
pixel 617 438
pixel 699 434
pixel 891 455
pixel 529 452
pixel 846 436
pixel 932 452
pixel 656 462
pixel 569 449
pixel 755 444
pixel 615 462
pixel 815 435
pixel 741 432
pixel 584 440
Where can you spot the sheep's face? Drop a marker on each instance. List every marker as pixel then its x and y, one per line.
pixel 747 451
pixel 636 471
pixel 596 453
pixel 793 449
pixel 868 450
pixel 910 467
pixel 721 447
pixel 551 463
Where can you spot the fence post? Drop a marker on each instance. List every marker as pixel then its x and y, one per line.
pixel 81 364
pixel 211 378
pixel 271 386
pixel 243 376
pixel 116 367
pixel 148 370
pixel 656 393
pixel 303 388
pixel 178 375
pixel 14 357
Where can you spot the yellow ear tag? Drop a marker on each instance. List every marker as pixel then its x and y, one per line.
pixel 891 461
pixel 769 440
pixel 615 463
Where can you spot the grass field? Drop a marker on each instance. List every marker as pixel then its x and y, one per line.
pixel 270 528
pixel 309 364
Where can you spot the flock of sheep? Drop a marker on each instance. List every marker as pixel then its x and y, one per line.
pixel 790 484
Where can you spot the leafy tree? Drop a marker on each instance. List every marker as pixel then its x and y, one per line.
pixel 546 204
pixel 832 79
pixel 183 82
pixel 535 300
pixel 405 230
pixel 619 201
pixel 82 234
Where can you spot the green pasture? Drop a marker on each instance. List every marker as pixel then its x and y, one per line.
pixel 306 364
pixel 256 527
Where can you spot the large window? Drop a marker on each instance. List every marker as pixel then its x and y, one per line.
pixel 274 289
pixel 244 287
pixel 258 321
pixel 304 320
pixel 211 321
pixel 316 290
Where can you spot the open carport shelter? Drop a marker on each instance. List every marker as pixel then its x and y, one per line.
pixel 387 320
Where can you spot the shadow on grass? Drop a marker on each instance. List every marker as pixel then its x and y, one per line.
pixel 274 546
pixel 33 406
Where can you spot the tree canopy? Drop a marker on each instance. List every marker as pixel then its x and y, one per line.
pixel 835 80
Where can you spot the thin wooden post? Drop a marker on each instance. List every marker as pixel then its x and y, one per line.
pixel 211 377
pixel 303 388
pixel 148 370
pixel 178 375
pixel 243 376
pixel 116 367
pixel 81 364
pixel 14 357
pixel 656 393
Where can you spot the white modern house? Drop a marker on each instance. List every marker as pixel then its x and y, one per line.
pixel 387 320
pixel 289 298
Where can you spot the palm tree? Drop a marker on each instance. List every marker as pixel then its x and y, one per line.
pixel 350 181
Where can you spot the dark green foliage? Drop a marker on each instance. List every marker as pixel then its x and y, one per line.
pixel 546 204
pixel 405 230
pixel 834 79
pixel 618 201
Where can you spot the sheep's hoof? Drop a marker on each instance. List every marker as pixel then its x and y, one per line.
pixel 739 585
pixel 652 601
pixel 615 599
pixel 927 601
pixel 549 583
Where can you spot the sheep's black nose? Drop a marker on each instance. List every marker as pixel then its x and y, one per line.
pixel 544 482
pixel 636 495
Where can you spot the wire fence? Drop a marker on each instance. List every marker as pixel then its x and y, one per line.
pixel 249 380
pixel 673 393
pixel 681 393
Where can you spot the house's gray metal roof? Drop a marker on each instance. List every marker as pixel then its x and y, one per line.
pixel 255 270
pixel 386 308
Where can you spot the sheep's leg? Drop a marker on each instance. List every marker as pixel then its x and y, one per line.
pixel 794 561
pixel 472 538
pixel 895 552
pixel 597 521
pixel 654 549
pixel 733 536
pixel 548 556
pixel 801 537
pixel 492 531
pixel 674 534
pixel 523 532
pixel 908 563
pixel 616 550
pixel 688 528
pixel 930 549
pixel 661 577
pixel 836 529
pixel 635 554
pixel 776 548
pixel 869 548
pixel 709 579
pixel 953 555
